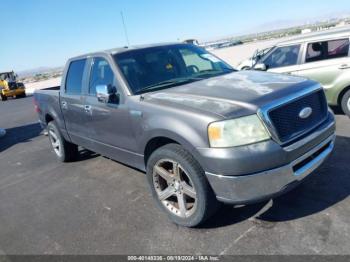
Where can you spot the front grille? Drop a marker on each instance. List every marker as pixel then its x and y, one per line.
pixel 287 122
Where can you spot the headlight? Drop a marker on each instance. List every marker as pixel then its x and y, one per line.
pixel 237 132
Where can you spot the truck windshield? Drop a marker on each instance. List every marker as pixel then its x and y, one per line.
pixel 153 68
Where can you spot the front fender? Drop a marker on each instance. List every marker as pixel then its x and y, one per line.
pixel 189 136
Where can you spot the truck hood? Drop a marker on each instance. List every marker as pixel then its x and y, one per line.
pixel 232 95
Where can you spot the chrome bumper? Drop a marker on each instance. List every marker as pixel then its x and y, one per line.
pixel 253 188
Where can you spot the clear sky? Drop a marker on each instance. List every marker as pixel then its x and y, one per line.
pixel 46 32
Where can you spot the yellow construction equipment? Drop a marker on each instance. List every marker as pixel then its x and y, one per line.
pixel 9 87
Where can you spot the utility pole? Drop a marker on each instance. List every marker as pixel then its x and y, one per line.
pixel 125 31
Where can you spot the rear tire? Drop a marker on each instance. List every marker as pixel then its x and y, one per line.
pixel 179 186
pixel 3 98
pixel 64 150
pixel 345 103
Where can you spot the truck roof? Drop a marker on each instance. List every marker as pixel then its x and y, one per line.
pixel 117 50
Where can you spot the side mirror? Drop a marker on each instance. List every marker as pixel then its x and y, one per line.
pixel 260 67
pixel 104 93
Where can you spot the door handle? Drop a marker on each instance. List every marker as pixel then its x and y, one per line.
pixel 88 109
pixel 344 66
pixel 64 105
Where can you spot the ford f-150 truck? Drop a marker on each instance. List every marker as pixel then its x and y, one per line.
pixel 203 132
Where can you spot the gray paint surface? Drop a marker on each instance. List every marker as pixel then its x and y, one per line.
pixel 181 113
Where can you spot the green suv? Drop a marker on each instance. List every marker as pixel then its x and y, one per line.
pixel 321 56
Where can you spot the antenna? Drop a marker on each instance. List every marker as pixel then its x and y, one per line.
pixel 125 31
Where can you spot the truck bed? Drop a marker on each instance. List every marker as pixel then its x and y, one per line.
pixel 47 102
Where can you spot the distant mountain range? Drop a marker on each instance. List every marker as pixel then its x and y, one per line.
pixel 39 70
pixel 287 23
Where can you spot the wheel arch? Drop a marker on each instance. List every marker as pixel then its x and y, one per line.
pixel 48 118
pixel 164 137
pixel 154 144
pixel 340 96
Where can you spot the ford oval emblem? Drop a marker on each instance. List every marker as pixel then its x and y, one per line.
pixel 305 112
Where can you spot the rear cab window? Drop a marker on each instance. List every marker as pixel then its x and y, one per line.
pixel 318 51
pixel 74 80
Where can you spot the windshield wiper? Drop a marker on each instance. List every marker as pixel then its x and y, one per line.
pixel 213 72
pixel 184 80
pixel 168 83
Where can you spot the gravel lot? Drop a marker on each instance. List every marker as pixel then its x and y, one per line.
pixel 236 54
pixel 31 87
pixel 98 206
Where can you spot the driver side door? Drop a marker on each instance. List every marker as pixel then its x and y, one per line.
pixel 108 122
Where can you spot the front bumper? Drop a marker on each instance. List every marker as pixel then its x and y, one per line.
pixel 256 158
pixel 264 185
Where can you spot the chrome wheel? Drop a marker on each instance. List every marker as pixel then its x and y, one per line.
pixel 55 142
pixel 348 104
pixel 174 188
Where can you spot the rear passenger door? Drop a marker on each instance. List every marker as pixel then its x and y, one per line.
pixel 326 61
pixel 72 102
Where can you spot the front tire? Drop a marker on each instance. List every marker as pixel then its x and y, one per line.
pixel 179 186
pixel 21 95
pixel 345 103
pixel 64 150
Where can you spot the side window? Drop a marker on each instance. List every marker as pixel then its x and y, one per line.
pixel 101 74
pixel 282 56
pixel 327 50
pixel 337 48
pixel 74 79
pixel 314 52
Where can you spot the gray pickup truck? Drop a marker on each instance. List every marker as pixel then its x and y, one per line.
pixel 203 132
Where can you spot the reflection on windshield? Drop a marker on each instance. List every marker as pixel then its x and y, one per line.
pixel 167 66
